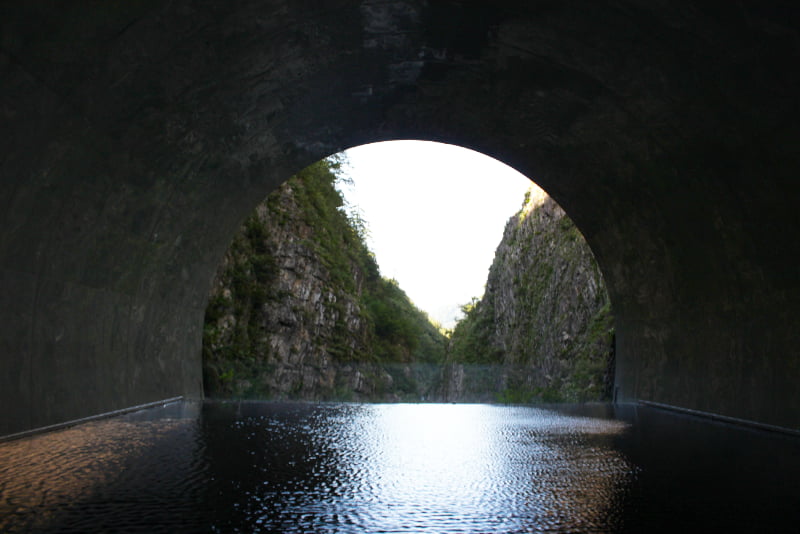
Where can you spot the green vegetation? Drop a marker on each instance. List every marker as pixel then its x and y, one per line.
pixel 299 293
pixel 589 377
pixel 471 339
pixel 402 332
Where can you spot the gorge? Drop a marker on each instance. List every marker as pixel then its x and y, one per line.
pixel 299 310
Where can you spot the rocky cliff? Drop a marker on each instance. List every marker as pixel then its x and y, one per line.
pixel 543 329
pixel 298 308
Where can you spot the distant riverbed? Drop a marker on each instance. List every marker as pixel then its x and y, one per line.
pixel 305 467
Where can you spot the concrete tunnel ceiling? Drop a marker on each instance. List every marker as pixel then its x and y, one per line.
pixel 137 135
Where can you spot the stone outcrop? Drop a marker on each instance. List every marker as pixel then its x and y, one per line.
pixel 543 329
pixel 298 308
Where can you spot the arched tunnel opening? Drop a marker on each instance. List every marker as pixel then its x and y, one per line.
pixel 134 136
pixel 667 133
pixel 409 273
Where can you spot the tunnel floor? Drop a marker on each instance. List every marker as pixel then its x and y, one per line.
pixel 303 467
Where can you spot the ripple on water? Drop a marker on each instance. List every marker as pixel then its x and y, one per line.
pixel 442 468
pixel 292 467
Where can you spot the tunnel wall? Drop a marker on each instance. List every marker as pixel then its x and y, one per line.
pixel 137 136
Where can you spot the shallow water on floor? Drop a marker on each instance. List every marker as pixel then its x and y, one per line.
pixel 303 467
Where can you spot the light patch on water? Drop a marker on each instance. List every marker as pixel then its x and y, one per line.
pixel 325 468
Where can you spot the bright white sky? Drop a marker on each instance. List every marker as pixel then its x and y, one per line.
pixel 435 214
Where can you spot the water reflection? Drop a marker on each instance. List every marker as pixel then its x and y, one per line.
pixel 478 469
pixel 293 467
pixel 425 468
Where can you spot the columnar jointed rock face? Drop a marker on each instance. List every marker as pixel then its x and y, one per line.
pixel 544 320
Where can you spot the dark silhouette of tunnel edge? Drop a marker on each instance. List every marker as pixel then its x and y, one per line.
pixel 136 137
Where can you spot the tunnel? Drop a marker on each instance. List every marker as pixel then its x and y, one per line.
pixel 136 136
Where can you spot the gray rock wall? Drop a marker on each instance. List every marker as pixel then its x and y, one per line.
pixel 296 307
pixel 543 328
pixel 292 332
